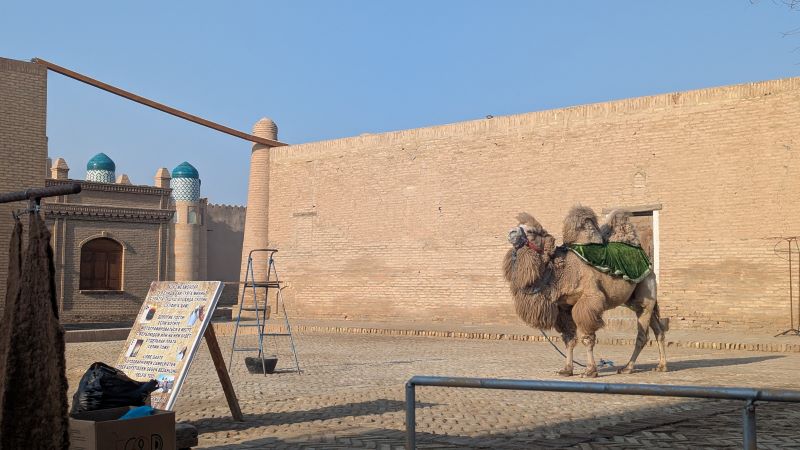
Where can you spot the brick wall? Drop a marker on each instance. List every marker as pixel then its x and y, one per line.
pixel 412 224
pixel 23 141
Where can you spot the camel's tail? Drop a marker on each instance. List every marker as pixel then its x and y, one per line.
pixel 657 316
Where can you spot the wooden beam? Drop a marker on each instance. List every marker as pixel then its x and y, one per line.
pixel 153 104
pixel 222 372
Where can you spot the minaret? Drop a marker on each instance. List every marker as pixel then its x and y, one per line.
pixel 256 222
pixel 185 184
pixel 100 169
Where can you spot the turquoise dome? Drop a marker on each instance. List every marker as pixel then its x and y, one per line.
pixel 101 161
pixel 185 170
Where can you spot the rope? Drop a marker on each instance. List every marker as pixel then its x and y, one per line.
pixel 603 362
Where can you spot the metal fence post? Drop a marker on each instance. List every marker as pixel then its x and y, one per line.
pixel 749 426
pixel 411 418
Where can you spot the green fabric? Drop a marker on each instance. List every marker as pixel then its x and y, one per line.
pixel 615 258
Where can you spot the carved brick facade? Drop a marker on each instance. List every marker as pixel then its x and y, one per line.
pixel 136 217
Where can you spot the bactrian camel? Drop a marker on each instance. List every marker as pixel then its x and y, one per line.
pixel 553 288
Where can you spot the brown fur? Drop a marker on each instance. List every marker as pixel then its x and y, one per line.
pixel 556 289
pixel 525 275
pixel 619 228
pixel 580 226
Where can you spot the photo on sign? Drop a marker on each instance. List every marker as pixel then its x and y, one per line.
pixel 180 355
pixel 149 313
pixel 197 314
pixel 165 383
pixel 133 349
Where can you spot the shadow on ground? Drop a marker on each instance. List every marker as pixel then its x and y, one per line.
pixel 675 366
pixel 374 407
pixel 690 424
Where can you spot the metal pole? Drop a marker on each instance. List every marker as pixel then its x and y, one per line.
pixel 33 194
pixel 749 426
pixel 411 441
pixel 797 247
pixel 791 293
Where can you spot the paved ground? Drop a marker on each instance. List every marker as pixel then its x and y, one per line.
pixel 351 396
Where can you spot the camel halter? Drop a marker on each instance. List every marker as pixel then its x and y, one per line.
pixel 531 245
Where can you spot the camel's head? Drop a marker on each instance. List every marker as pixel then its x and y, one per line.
pixel 530 232
pixel 580 227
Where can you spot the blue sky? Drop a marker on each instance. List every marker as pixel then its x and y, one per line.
pixel 329 69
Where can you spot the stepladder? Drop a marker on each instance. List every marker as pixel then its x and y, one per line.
pixel 261 291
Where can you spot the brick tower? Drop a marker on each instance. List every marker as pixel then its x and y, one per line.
pixel 256 224
pixel 185 184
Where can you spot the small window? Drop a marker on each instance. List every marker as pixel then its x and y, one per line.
pixel 101 265
pixel 192 219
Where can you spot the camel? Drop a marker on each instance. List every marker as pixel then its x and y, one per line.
pixel 553 288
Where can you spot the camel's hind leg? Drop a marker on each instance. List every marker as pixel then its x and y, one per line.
pixel 658 330
pixel 644 305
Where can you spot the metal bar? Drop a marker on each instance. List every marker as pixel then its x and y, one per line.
pixel 791 294
pixel 32 194
pixel 749 426
pixel 722 393
pixel 411 412
pixel 750 395
pixel 155 105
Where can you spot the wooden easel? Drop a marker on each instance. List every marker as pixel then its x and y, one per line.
pixel 222 373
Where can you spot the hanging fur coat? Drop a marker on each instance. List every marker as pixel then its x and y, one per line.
pixel 33 381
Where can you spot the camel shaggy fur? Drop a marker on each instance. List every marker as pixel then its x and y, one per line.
pixel 553 288
pixel 618 228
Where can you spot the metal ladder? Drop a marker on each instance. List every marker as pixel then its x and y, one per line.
pixel 261 310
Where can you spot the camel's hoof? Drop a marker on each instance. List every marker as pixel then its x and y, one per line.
pixel 565 372
pixel 626 370
pixel 589 374
pixel 660 368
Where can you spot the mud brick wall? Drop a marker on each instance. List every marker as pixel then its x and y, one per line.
pixel 23 141
pixel 412 224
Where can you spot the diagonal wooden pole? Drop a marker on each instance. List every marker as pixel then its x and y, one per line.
pixel 222 372
pixel 155 105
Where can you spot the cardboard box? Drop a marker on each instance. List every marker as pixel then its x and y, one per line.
pixel 100 430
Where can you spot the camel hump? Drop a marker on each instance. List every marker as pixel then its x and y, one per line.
pixel 619 228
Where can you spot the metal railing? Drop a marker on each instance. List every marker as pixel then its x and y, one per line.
pixel 749 395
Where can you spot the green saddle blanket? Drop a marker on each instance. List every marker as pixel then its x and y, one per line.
pixel 615 258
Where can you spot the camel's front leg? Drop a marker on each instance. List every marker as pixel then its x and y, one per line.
pixel 588 316
pixel 570 340
pixel 589 340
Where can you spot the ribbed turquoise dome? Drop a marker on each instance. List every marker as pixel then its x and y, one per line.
pixel 101 161
pixel 185 170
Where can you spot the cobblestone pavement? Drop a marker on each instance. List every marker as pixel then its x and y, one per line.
pixel 351 395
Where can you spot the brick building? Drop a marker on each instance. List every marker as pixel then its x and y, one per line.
pixel 412 224
pixel 114 238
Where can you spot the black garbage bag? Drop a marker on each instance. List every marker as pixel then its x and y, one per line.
pixel 103 386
